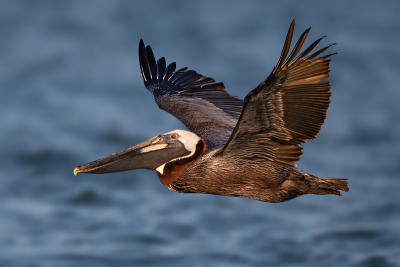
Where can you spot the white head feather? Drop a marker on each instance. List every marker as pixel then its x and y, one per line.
pixel 188 139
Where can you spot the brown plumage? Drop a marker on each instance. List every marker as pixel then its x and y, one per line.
pixel 237 176
pixel 248 155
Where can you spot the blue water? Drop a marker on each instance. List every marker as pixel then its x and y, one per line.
pixel 71 92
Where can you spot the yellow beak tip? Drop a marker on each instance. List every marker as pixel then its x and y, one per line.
pixel 76 171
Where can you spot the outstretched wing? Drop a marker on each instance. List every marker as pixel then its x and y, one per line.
pixel 286 109
pixel 198 102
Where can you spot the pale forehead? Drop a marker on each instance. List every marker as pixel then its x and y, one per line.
pixel 185 134
pixel 188 139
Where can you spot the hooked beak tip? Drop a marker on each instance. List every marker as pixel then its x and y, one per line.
pixel 76 171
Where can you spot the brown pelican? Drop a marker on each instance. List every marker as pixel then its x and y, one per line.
pixel 234 147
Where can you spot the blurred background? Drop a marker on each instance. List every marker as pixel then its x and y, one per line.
pixel 71 92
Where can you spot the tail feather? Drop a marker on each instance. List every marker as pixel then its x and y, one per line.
pixel 339 183
pixel 329 185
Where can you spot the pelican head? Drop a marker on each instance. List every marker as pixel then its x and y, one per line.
pixel 151 154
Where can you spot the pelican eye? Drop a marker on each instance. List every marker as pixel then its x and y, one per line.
pixel 174 136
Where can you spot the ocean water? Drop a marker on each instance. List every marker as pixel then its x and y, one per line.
pixel 71 92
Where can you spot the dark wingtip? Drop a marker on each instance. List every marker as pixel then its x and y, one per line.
pixel 152 63
pixel 286 46
pixel 161 66
pixel 141 45
pixel 296 48
pixel 144 64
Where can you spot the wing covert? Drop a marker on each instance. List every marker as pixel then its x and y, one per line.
pixel 200 103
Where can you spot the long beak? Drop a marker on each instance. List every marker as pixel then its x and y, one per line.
pixel 147 155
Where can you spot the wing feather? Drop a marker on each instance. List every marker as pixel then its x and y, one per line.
pixel 161 68
pixel 297 47
pixel 287 108
pixel 144 64
pixel 170 70
pixel 200 103
pixel 152 63
pixel 286 46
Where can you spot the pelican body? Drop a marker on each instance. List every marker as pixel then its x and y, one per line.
pixel 234 147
